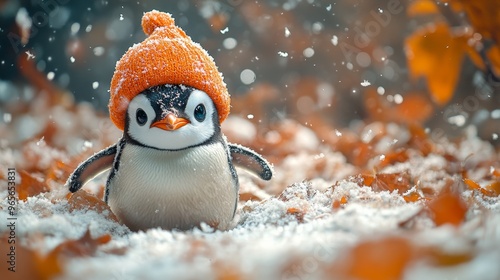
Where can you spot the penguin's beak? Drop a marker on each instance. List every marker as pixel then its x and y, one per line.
pixel 170 122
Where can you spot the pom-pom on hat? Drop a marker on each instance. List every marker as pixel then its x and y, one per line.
pixel 166 56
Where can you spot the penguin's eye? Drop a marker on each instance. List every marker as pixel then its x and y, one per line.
pixel 141 117
pixel 200 113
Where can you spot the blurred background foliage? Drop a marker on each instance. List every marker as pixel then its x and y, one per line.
pixel 325 64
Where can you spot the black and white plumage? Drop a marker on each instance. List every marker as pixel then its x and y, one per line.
pixel 173 167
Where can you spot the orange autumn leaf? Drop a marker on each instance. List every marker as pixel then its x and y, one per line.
pixel 361 154
pixel 472 184
pixel 30 185
pixel 248 196
pixel 60 171
pixel 376 105
pixel 440 257
pixel 412 197
pixel 422 7
pixel 494 59
pixel 356 151
pixel 392 182
pixel 85 246
pixel 495 172
pixel 336 204
pixel 400 155
pixel 414 108
pixel 484 16
pixel 377 259
pixel 447 208
pixel 420 140
pixel 343 200
pixel 298 213
pixel 30 264
pixel 493 188
pixel 368 179
pixel 25 262
pixel 388 182
pixel 48 266
pixel 436 53
pixel 83 200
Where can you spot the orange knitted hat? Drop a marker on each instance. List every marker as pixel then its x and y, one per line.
pixel 167 56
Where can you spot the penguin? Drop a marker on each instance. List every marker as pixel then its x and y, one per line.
pixel 172 168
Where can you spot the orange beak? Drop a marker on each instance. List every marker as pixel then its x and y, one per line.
pixel 170 122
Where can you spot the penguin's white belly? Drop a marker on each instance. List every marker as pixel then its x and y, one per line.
pixel 173 189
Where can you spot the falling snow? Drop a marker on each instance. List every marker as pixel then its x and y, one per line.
pixel 7 118
pixel 50 75
pixel 458 120
pixel 225 30
pixel 308 52
pixel 98 51
pixel 282 54
pixel 229 43
pixel 335 40
pixel 287 32
pixel 30 55
pixel 398 98
pixel 75 27
pixel 318 208
pixel 247 76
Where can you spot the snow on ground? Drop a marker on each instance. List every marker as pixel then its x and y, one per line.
pixel 314 220
pixel 266 243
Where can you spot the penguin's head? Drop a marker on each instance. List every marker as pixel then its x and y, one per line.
pixel 172 117
pixel 166 57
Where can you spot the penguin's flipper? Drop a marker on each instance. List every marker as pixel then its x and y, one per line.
pixel 250 160
pixel 90 168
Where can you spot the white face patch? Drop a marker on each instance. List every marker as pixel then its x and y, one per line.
pixel 199 109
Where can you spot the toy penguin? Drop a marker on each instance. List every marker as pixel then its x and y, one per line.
pixel 173 167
